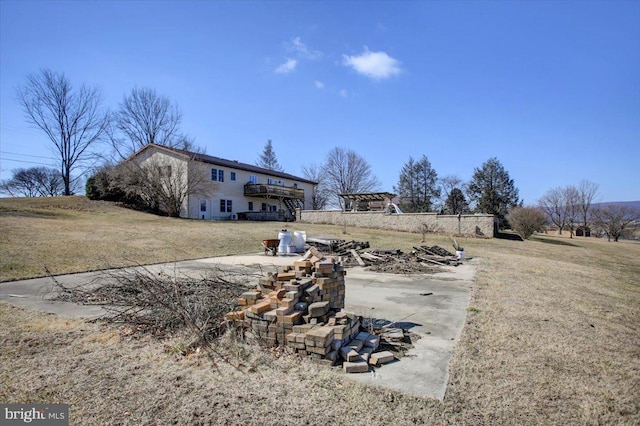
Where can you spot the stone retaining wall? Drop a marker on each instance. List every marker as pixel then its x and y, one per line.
pixel 469 225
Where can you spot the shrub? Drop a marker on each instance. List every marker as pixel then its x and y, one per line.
pixel 525 221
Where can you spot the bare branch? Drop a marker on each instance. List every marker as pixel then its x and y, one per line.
pixel 71 119
pixel 145 117
pixel 347 172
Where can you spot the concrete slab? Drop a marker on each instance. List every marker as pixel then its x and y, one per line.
pixel 432 306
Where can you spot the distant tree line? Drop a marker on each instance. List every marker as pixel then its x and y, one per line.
pixel 34 182
pixel 73 120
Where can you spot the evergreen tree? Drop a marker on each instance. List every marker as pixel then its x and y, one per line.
pixel 268 158
pixel 456 203
pixel 417 185
pixel 493 191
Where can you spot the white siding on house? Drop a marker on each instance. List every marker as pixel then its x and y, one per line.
pixel 219 189
pixel 177 166
pixel 234 191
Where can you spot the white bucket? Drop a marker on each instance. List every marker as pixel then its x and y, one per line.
pixel 299 240
pixel 285 241
pixel 459 255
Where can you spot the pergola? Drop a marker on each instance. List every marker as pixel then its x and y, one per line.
pixel 367 197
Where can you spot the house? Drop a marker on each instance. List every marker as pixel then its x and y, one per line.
pixel 214 188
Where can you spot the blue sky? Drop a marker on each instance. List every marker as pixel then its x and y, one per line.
pixel 552 89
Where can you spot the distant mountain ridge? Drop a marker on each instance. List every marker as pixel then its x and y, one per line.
pixel 632 204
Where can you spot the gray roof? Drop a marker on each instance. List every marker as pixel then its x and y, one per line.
pixel 209 159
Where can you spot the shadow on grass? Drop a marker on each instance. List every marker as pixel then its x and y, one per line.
pixel 508 236
pixel 42 214
pixel 554 242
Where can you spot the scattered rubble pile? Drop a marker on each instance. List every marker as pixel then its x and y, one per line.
pixel 422 259
pixel 301 308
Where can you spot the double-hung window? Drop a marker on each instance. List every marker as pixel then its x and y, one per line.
pixel 217 175
pixel 225 206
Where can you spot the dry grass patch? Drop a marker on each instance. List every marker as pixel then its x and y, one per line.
pixel 137 381
pixel 552 334
pixel 73 234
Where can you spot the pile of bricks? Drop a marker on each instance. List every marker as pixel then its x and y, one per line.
pixel 301 307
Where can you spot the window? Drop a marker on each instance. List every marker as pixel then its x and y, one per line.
pixel 225 206
pixel 273 208
pixel 165 172
pixel 295 185
pixel 217 175
pixel 233 176
pixel 250 206
pixel 275 182
pixel 264 207
pixel 253 179
pixel 203 205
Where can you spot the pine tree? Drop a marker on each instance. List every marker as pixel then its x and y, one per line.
pixel 493 191
pixel 456 203
pixel 417 186
pixel 268 158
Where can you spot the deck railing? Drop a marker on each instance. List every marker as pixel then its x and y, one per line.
pixel 265 189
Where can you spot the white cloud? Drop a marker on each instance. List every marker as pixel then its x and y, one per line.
pixel 303 50
pixel 287 67
pixel 375 65
pixel 319 84
pixel 343 93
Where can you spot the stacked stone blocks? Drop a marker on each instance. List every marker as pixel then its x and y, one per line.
pixel 300 307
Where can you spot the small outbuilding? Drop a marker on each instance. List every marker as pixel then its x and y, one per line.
pixel 367 201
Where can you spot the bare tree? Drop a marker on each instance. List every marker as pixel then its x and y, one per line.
pixel 145 117
pixel 615 219
pixel 347 173
pixel 572 207
pixel 50 182
pixel 268 159
pixel 553 203
pixel 320 196
pixel 587 192
pixel 164 184
pixel 526 220
pixel 22 183
pixel 71 119
pixel 34 182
